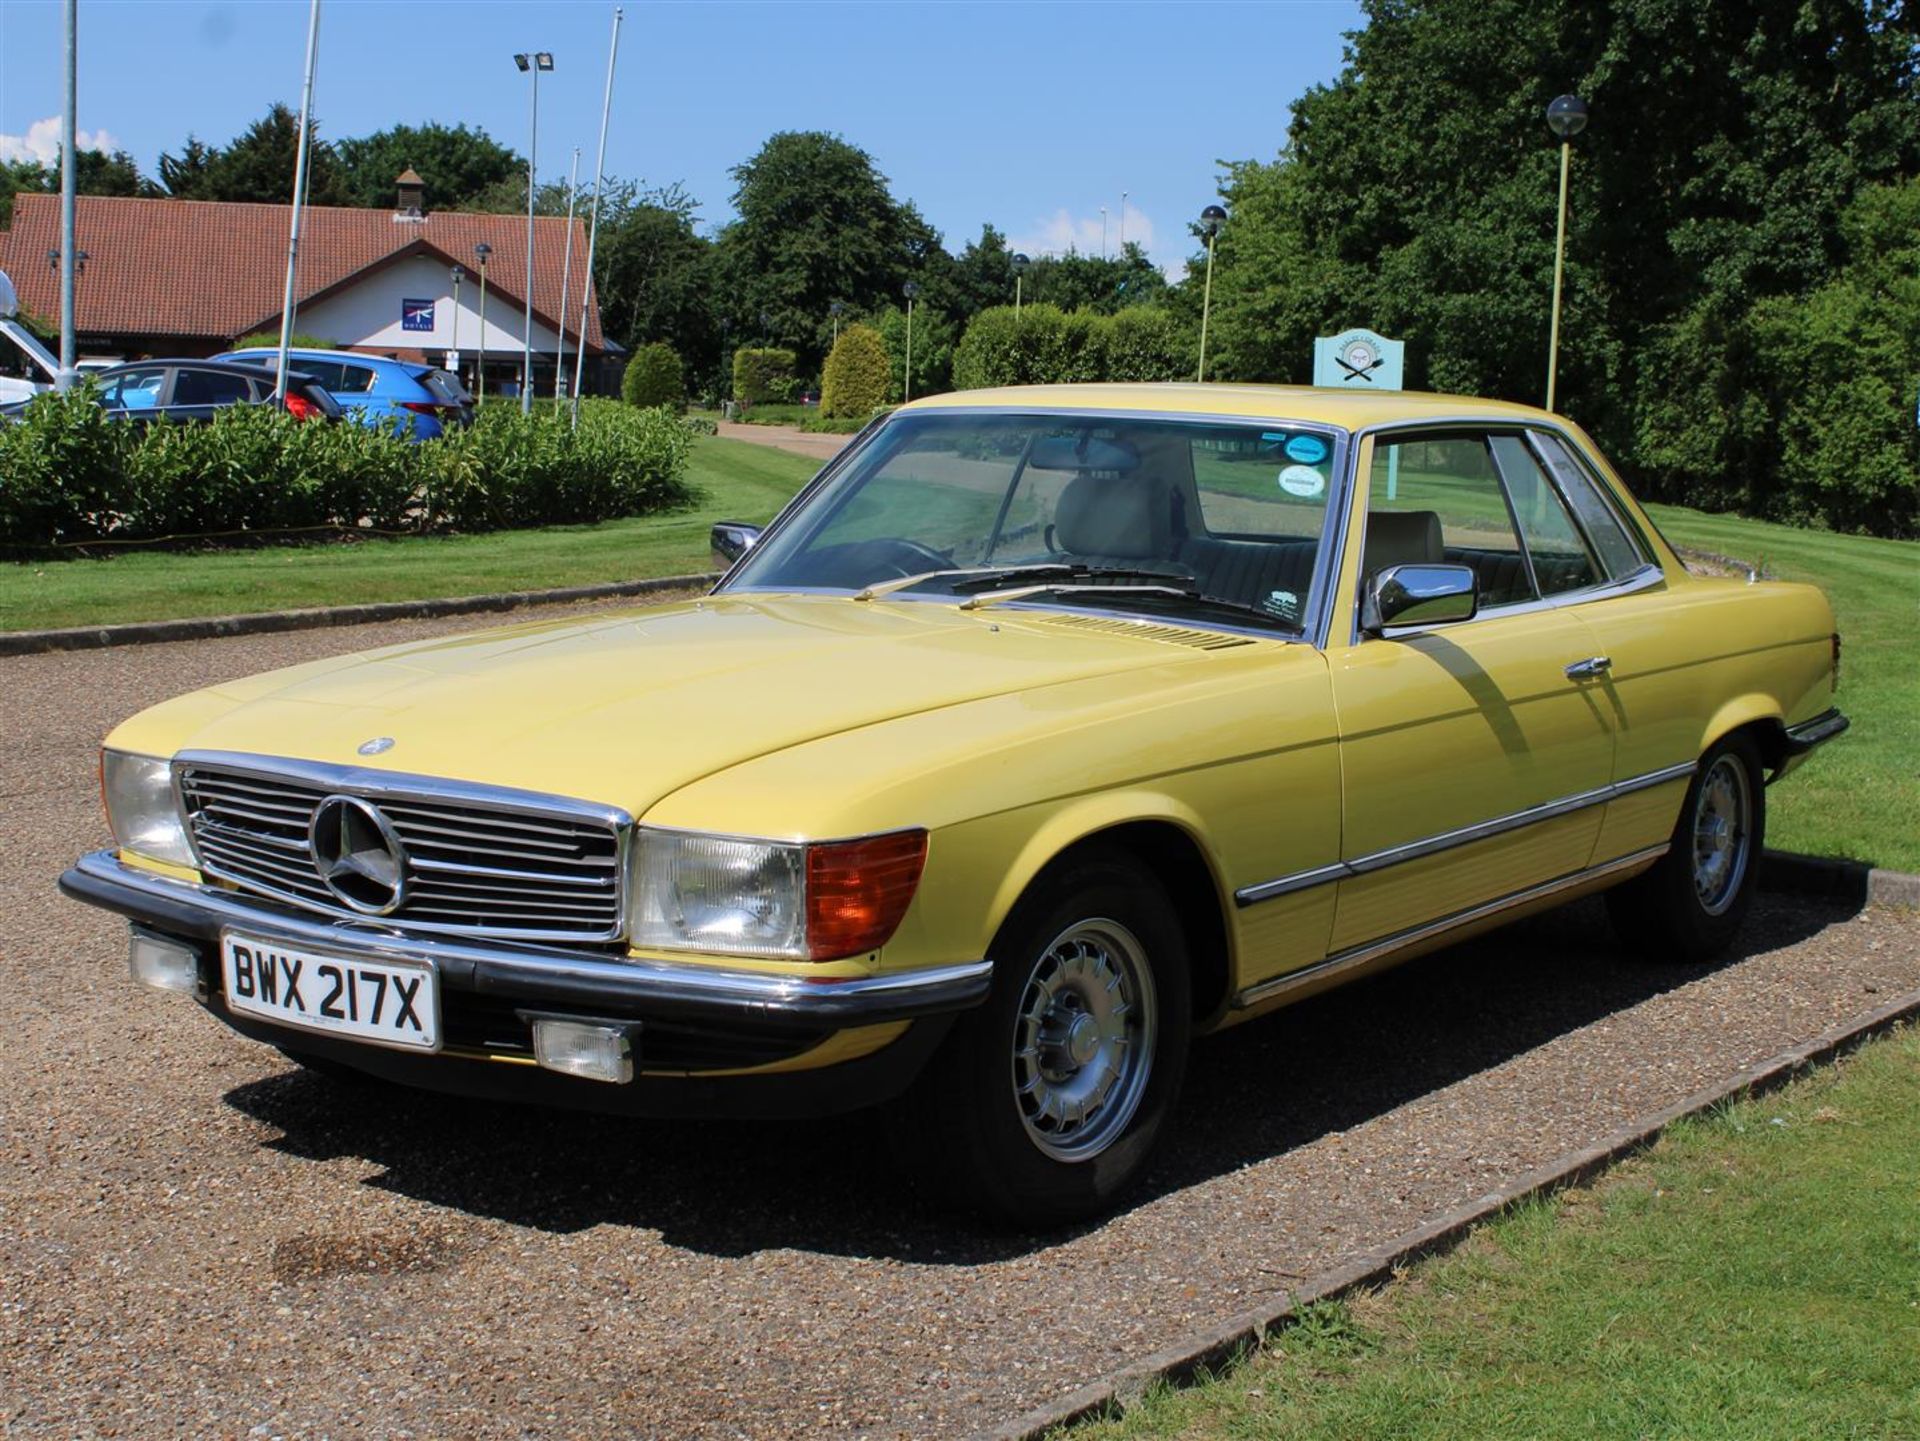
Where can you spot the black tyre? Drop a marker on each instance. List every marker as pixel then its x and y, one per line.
pixel 1692 903
pixel 1044 1104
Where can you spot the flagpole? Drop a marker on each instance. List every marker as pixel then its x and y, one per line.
pixel 566 285
pixel 593 228
pixel 69 256
pixel 299 202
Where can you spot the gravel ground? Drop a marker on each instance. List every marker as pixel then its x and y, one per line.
pixel 197 1239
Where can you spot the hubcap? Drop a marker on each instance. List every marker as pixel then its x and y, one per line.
pixel 1083 1040
pixel 1722 834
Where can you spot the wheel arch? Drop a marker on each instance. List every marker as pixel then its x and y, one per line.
pixel 1165 840
pixel 1758 718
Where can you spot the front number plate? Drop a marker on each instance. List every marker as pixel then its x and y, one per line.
pixel 391 1003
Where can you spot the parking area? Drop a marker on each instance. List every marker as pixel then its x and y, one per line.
pixel 197 1238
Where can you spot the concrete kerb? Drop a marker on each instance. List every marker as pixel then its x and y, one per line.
pixel 1221 1344
pixel 34 642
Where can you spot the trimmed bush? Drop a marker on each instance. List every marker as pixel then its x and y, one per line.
pixel 933 340
pixel 270 340
pixel 761 375
pixel 655 377
pixel 1043 345
pixel 855 380
pixel 68 475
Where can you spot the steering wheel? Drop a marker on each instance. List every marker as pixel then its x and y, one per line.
pixel 910 557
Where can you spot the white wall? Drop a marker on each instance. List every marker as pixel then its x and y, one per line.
pixel 367 313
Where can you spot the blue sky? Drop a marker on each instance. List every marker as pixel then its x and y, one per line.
pixel 1030 115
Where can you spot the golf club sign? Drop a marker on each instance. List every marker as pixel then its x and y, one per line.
pixel 1359 360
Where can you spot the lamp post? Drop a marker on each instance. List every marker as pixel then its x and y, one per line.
pixel 909 290
pixel 481 252
pixel 1103 232
pixel 532 64
pixel 1020 264
pixel 1211 219
pixel 837 309
pixel 1566 118
pixel 1123 222
pixel 456 274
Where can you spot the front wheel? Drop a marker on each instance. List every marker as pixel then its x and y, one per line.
pixel 1692 903
pixel 1045 1103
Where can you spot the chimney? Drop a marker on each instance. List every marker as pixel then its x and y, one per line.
pixel 411 204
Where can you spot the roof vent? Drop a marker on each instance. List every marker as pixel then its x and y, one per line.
pixel 411 201
pixel 1147 630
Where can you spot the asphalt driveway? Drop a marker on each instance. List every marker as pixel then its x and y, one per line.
pixel 198 1239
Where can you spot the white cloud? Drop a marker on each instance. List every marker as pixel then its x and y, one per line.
pixel 42 142
pixel 1064 231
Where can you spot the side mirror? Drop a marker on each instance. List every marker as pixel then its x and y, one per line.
pixel 731 539
pixel 1419 595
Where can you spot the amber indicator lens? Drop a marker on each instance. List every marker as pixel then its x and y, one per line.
pixel 857 891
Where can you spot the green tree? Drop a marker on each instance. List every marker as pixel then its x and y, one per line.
pixel 457 163
pixel 1087 282
pixel 856 377
pixel 816 224
pixel 1416 195
pixel 933 342
pixel 95 172
pixel 257 166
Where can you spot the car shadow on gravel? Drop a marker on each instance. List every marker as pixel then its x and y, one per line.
pixel 1328 1064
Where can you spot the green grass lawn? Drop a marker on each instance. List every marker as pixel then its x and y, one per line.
pixel 737 482
pixel 1860 796
pixel 1756 1275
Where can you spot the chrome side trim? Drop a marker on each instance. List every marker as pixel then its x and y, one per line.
pixel 1373 950
pixel 552 976
pixel 1464 836
pixel 1655 778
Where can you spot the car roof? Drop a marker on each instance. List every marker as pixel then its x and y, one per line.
pixel 1348 409
pixel 236 367
pixel 353 355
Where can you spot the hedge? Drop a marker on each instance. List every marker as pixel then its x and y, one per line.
pixel 69 475
pixel 763 375
pixel 1043 345
pixel 855 379
pixel 655 376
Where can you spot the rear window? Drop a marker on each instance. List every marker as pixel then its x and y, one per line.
pixel 210 387
pixel 444 386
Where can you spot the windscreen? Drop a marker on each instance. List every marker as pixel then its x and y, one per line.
pixel 1213 516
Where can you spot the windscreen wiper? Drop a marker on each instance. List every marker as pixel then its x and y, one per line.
pixel 973 577
pixel 880 588
pixel 1186 596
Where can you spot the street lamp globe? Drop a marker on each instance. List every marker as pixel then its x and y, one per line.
pixel 910 290
pixel 1020 262
pixel 1567 116
pixel 483 252
pixel 1211 219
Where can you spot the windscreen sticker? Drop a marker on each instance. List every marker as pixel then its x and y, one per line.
pixel 1303 481
pixel 1307 449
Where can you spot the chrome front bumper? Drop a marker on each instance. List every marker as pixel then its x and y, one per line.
pixel 538 974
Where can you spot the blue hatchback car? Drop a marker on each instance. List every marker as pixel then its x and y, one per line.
pixel 373 390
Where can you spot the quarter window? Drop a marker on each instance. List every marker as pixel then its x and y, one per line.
pixel 1561 561
pixel 1609 538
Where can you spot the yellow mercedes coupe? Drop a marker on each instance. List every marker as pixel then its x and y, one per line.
pixel 1045 730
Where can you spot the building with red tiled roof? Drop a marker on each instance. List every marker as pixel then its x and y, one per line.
pixel 190 277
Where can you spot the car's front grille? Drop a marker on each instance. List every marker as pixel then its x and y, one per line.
pixel 471 865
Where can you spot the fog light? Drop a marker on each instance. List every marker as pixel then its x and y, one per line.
pixel 593 1050
pixel 164 965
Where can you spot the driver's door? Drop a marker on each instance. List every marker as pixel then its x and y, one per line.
pixel 1472 763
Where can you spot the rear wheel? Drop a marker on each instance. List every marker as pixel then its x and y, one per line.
pixel 1046 1102
pixel 1692 903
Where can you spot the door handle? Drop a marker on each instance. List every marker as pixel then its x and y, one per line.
pixel 1590 667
